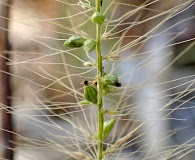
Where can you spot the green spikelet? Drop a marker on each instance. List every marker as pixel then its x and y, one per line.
pixel 98 18
pixel 108 125
pixel 90 93
pixel 74 41
pixel 89 45
pixel 111 79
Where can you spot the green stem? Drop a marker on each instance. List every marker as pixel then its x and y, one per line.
pixel 99 87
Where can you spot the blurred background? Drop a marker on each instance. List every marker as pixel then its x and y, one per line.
pixel 154 41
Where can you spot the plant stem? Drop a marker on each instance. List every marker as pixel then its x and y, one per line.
pixel 99 86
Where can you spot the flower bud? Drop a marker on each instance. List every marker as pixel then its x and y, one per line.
pixel 98 18
pixel 74 41
pixel 108 125
pixel 90 93
pixel 89 45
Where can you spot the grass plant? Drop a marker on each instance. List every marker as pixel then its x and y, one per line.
pixel 97 79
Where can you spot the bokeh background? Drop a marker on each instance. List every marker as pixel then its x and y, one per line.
pixel 46 76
